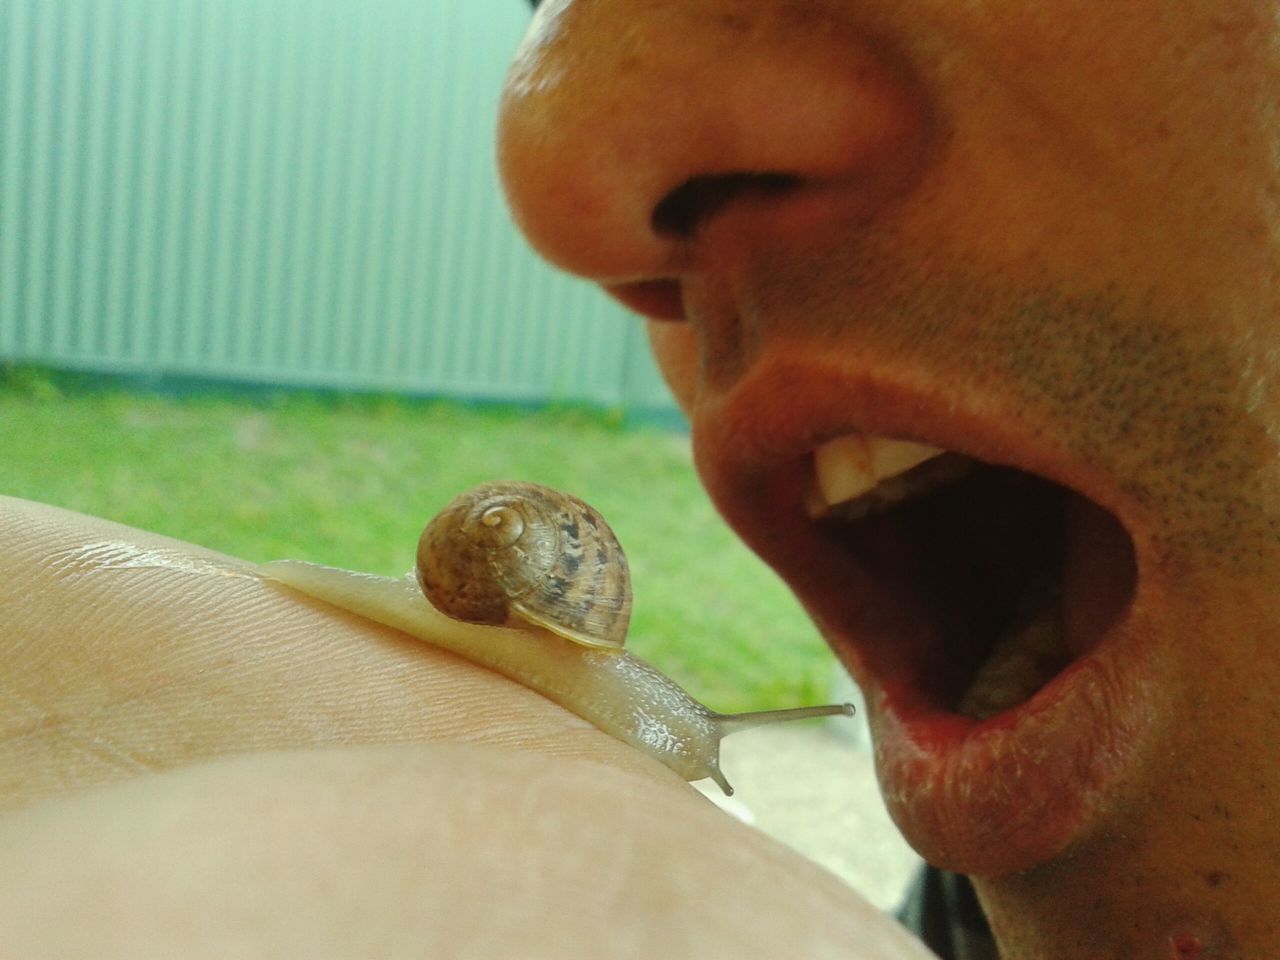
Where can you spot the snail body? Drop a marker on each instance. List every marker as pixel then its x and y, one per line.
pixel 619 693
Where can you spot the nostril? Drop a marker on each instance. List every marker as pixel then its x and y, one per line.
pixel 686 208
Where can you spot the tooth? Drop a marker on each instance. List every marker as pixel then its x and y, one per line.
pixel 1021 662
pixel 843 468
pixel 849 466
pixel 892 457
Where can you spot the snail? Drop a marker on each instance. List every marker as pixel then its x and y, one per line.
pixel 512 552
pixel 532 583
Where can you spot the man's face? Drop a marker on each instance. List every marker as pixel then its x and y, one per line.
pixel 1042 235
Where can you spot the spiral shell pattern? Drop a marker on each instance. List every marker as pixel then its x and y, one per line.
pixel 513 551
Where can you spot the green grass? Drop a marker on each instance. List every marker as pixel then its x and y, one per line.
pixel 351 481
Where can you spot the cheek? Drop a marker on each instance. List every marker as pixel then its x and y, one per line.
pixel 675 346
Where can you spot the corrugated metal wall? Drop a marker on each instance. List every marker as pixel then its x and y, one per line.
pixel 295 191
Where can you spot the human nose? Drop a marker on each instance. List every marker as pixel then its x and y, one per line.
pixel 628 128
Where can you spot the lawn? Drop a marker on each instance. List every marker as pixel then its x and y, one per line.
pixel 350 481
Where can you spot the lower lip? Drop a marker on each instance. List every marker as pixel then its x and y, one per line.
pixel 1000 795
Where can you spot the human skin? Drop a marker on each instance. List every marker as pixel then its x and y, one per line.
pixel 196 763
pixel 1041 234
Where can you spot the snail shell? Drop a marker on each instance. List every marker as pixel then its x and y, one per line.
pixel 519 551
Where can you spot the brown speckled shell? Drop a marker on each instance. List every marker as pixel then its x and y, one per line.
pixel 519 551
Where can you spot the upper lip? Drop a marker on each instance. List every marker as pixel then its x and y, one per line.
pixel 753 443
pixel 948 780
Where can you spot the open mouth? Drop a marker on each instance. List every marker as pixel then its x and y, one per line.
pixel 1004 578
pixel 984 590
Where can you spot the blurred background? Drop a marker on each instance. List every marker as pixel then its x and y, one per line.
pixel 296 192
pixel 258 290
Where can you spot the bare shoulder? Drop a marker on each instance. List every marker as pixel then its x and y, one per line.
pixel 194 762
pixel 415 850
pixel 126 653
